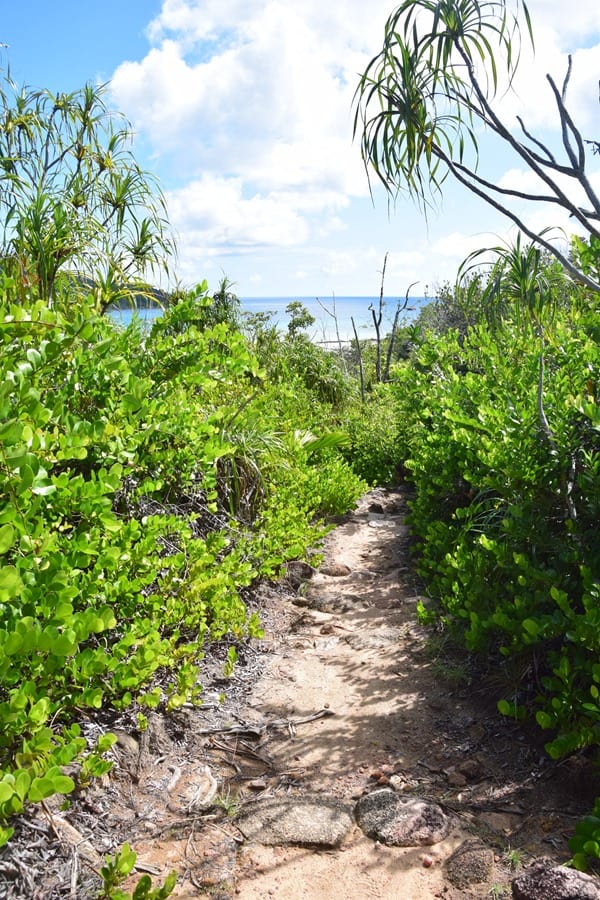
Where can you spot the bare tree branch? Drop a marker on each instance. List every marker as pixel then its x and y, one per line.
pixel 420 99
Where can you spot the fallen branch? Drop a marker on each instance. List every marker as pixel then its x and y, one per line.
pixel 257 731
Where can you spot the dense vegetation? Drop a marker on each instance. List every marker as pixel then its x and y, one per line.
pixel 499 430
pixel 148 480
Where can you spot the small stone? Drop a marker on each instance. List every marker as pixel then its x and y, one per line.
pixel 385 817
pixel 335 570
pixel 427 862
pixel 397 782
pixel 455 779
pixel 472 863
pixel 477 732
pixel 473 769
pixel 298 572
pixel 543 880
pixel 311 820
pixel 258 784
pixel 127 742
pixel 127 751
pixel 436 703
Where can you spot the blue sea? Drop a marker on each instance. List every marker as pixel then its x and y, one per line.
pixel 344 308
pixel 323 309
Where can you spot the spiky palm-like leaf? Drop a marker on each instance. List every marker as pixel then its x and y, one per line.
pixel 423 99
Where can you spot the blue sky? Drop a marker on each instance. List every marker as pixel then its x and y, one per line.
pixel 243 111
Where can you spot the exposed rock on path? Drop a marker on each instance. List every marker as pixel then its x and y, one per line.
pixel 545 881
pixel 401 822
pixel 308 821
pixel 472 864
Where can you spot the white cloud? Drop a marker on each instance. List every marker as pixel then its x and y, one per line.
pixel 271 99
pixel 559 31
pixel 533 98
pixel 574 24
pixel 213 218
pixel 457 245
pixel 339 262
pixel 404 267
pixel 247 107
pixel 215 208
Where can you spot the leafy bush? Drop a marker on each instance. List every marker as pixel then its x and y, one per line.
pixel 146 482
pixel 505 506
pixel 375 450
pixel 499 431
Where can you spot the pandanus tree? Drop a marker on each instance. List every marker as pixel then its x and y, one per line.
pixel 73 199
pixel 423 101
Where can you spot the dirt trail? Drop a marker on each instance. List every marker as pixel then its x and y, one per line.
pixel 357 651
pixel 343 697
pixel 400 717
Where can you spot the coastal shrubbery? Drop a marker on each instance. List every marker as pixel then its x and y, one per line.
pixel 498 427
pixel 148 480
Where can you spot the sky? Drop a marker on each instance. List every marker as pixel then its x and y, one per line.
pixel 243 110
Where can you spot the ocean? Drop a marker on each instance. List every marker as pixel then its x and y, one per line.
pixel 323 309
pixel 344 308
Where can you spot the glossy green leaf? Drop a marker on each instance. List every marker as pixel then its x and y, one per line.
pixel 10 583
pixel 7 537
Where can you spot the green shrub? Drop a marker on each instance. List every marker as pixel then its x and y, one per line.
pixel 148 480
pixel 504 511
pixel 375 450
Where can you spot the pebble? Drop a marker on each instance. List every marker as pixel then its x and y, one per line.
pixel 455 779
pixel 385 817
pixel 258 784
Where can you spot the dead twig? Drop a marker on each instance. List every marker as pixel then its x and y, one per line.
pixel 258 730
pixel 74 872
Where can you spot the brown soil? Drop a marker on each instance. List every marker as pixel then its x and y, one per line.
pixel 345 693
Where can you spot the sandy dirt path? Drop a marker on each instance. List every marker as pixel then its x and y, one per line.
pixel 400 716
pixel 353 651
